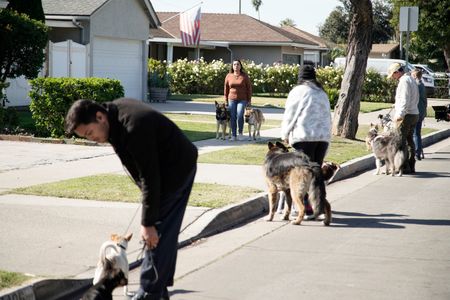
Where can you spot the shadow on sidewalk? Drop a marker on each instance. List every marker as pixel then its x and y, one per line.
pixel 430 175
pixel 390 221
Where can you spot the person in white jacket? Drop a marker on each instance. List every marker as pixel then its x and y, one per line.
pixel 406 111
pixel 306 122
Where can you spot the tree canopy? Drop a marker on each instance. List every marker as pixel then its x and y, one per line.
pixel 23 41
pixel 288 22
pixel 432 39
pixel 336 26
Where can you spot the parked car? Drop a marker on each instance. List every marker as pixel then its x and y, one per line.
pixel 426 70
pixel 381 66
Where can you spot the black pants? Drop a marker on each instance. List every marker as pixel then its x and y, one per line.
pixel 315 150
pixel 163 258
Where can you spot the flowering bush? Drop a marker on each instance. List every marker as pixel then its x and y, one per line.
pixel 197 77
pixel 200 77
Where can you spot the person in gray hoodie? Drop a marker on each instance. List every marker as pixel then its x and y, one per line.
pixel 306 124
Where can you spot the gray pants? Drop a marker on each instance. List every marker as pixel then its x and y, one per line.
pixel 406 130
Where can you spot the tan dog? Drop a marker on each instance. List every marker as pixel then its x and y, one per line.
pixel 253 117
pixel 222 119
pixel 113 259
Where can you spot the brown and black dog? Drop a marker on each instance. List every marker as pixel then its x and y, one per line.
pixel 222 119
pixel 294 174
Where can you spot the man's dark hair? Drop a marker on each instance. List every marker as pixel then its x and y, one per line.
pixel 82 112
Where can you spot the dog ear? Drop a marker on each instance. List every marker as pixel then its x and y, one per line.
pixel 217 104
pixel 128 237
pixel 115 237
pixel 270 145
pixel 281 145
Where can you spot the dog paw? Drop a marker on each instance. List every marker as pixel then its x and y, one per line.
pixel 296 222
pixel 326 222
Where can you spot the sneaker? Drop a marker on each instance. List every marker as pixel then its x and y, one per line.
pixel 233 139
pixel 308 217
pixel 241 137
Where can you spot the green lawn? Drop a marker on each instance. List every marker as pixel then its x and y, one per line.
pixel 270 101
pixel 10 279
pixel 113 187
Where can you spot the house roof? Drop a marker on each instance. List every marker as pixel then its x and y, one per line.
pixel 306 35
pixel 86 8
pixel 384 48
pixel 231 28
pixel 72 8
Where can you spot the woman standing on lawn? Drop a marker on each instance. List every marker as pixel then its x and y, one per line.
pixel 306 122
pixel 238 95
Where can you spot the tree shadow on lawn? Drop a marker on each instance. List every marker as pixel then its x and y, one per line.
pixel 389 221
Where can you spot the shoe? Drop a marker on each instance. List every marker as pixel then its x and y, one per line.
pixel 308 217
pixel 418 157
pixel 233 139
pixel 140 295
pixel 240 137
pixel 294 213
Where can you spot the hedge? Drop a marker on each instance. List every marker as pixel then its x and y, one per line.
pixel 51 98
pixel 200 77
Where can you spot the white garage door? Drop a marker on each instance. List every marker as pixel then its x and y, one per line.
pixel 120 59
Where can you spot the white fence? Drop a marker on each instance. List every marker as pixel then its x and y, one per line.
pixel 65 59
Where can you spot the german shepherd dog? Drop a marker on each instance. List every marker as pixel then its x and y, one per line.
pixel 392 150
pixel 295 175
pixel 254 118
pixel 222 119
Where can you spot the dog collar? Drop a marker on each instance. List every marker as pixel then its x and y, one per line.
pixel 122 246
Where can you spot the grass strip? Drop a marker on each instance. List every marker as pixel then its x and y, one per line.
pixel 120 188
pixel 10 279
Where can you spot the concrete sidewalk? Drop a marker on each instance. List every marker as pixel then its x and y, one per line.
pixel 65 234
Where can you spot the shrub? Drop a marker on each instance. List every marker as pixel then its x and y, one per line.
pixel 330 77
pixel 377 88
pixel 51 98
pixel 9 119
pixel 333 96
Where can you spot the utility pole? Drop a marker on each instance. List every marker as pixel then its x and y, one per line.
pixel 239 6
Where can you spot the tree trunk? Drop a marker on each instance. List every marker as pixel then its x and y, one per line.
pixel 447 56
pixel 345 121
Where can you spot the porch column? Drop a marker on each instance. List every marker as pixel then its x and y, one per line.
pixel 169 53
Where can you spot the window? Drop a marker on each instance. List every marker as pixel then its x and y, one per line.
pixel 292 59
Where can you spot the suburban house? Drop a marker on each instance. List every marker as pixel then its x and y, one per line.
pixel 315 56
pixel 95 38
pixel 234 36
pixel 385 51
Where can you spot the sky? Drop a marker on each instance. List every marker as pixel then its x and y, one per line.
pixel 307 14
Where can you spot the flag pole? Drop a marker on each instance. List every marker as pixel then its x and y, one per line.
pixel 175 15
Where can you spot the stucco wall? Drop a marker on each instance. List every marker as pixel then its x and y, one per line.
pixel 121 19
pixel 264 54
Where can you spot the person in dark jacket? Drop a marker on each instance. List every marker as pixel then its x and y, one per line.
pixel 162 162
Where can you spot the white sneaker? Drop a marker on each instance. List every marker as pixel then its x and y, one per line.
pixel 241 137
pixel 233 138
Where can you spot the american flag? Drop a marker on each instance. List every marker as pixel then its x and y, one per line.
pixel 190 27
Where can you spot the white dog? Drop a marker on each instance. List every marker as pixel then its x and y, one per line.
pixel 113 258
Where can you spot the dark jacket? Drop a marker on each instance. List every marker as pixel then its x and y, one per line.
pixel 156 153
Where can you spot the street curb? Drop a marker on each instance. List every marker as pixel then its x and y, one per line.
pixel 212 222
pixel 32 139
pixel 218 220
pixel 367 162
pixel 48 289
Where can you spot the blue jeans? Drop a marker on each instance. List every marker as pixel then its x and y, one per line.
pixel 237 108
pixel 418 138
